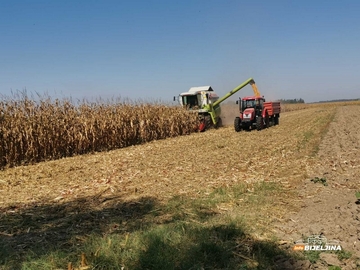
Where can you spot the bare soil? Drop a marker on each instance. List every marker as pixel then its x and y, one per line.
pixel 331 208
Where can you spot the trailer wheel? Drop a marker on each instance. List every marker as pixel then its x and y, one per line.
pixel 276 120
pixel 237 124
pixel 259 123
pixel 267 120
pixel 272 121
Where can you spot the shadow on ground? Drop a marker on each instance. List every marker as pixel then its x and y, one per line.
pixel 168 237
pixel 43 228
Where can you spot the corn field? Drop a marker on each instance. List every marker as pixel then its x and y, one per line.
pixel 33 131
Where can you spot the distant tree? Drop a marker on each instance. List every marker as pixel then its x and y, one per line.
pixel 291 101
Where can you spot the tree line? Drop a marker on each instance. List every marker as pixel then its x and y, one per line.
pixel 292 101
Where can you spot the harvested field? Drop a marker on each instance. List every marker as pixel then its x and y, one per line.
pixel 191 166
pixel 331 208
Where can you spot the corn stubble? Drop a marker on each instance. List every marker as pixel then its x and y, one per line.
pixel 33 131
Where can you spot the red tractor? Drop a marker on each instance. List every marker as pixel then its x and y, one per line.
pixel 256 113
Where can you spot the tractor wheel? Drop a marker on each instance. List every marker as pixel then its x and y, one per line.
pixel 259 123
pixel 237 124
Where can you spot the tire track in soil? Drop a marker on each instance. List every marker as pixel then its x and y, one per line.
pixel 331 210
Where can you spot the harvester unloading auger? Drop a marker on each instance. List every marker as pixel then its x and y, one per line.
pixel 206 102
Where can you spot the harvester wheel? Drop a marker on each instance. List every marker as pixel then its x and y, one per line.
pixel 208 121
pixel 237 124
pixel 218 123
pixel 259 123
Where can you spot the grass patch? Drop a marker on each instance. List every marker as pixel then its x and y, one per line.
pixel 310 139
pixel 312 256
pixel 343 255
pixel 357 195
pixel 319 180
pixel 334 267
pixel 209 232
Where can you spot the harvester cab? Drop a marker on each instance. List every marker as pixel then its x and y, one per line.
pixel 197 98
pixel 204 101
pixel 201 99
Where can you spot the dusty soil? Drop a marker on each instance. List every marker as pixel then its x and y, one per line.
pixel 228 114
pixel 331 208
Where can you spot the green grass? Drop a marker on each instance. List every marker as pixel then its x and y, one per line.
pixel 184 233
pixel 319 180
pixel 343 255
pixel 334 267
pixel 357 195
pixel 312 256
pixel 310 139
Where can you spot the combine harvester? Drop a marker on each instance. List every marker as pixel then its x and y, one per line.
pixel 256 113
pixel 204 101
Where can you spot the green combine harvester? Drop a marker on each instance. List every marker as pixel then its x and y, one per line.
pixel 206 103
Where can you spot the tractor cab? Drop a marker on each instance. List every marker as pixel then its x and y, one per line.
pixel 250 107
pixel 256 103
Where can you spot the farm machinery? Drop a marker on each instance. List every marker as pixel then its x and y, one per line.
pixel 255 112
pixel 206 103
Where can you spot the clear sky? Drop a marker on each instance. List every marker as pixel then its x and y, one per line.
pixel 159 48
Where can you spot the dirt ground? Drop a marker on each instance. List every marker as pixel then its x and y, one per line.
pixel 331 208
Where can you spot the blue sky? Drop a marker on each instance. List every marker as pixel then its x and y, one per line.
pixel 156 49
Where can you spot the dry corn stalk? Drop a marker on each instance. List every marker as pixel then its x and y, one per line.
pixel 33 131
